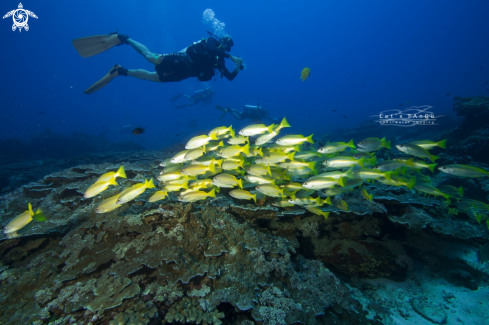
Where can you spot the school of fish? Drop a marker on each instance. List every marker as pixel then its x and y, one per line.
pixel 256 164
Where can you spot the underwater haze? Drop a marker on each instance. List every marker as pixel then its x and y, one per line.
pixel 244 162
pixel 365 57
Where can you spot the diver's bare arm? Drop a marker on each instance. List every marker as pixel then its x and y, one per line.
pixel 143 74
pixel 144 51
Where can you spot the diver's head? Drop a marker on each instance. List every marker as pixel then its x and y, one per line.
pixel 228 43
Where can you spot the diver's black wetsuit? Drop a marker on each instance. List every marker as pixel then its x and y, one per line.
pixel 198 60
pixel 254 113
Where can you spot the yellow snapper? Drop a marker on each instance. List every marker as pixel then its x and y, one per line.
pixel 259 179
pixel 255 151
pixel 229 164
pixel 294 139
pixel 430 144
pixel 283 204
pixel 171 169
pixel 107 176
pixel 213 146
pixel 298 164
pixel 200 183
pixel 194 154
pixel 226 180
pixel 332 147
pixel 242 195
pixel 463 170
pixel 209 173
pixel 309 201
pixel 367 173
pixel 173 187
pixel 135 191
pixel 373 144
pixel 239 140
pixel 414 150
pixel 261 140
pixel 259 170
pixel 200 141
pixel 194 170
pixel 431 190
pixel 317 211
pixel 318 183
pixel 452 190
pixel 306 155
pixel 108 204
pixel 179 157
pixel 166 177
pixel 275 158
pixel 222 130
pixel 232 151
pixel 158 195
pixel 255 129
pixel 417 163
pixel 99 187
pixel 340 204
pixel 342 161
pixel 270 190
pixel 367 196
pixel 23 220
pixel 193 196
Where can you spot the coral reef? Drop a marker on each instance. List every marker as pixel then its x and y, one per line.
pixel 224 262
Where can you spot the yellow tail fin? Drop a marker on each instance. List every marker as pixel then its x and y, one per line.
pixel 212 193
pixel 149 184
pixel 29 207
pixel 212 168
pixel 309 139
pixel 246 149
pixel 254 198
pixel 284 124
pixel 121 172
pixel 213 136
pixel 231 131
pixel 270 128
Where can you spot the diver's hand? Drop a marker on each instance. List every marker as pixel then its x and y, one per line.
pixel 238 62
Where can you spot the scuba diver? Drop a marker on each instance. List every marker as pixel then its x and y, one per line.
pixel 203 96
pixel 255 113
pixel 199 60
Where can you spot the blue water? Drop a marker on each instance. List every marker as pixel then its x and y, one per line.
pixel 364 56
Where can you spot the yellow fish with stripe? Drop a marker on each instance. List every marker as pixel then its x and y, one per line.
pixel 23 220
pixel 134 191
pixel 242 195
pixel 99 187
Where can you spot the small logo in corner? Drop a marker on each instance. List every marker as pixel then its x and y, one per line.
pixel 20 17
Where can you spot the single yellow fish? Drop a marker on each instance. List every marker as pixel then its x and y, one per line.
pixel 242 195
pixel 158 195
pixel 193 196
pixel 99 187
pixel 107 176
pixel 305 74
pixel 135 191
pixel 23 220
pixel 108 204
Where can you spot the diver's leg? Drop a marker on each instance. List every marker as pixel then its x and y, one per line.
pixel 237 114
pixel 144 51
pixel 143 74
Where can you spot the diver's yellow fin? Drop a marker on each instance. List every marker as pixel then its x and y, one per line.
pixel 92 45
pixel 104 81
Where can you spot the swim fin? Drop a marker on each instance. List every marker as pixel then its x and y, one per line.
pixel 114 72
pixel 92 45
